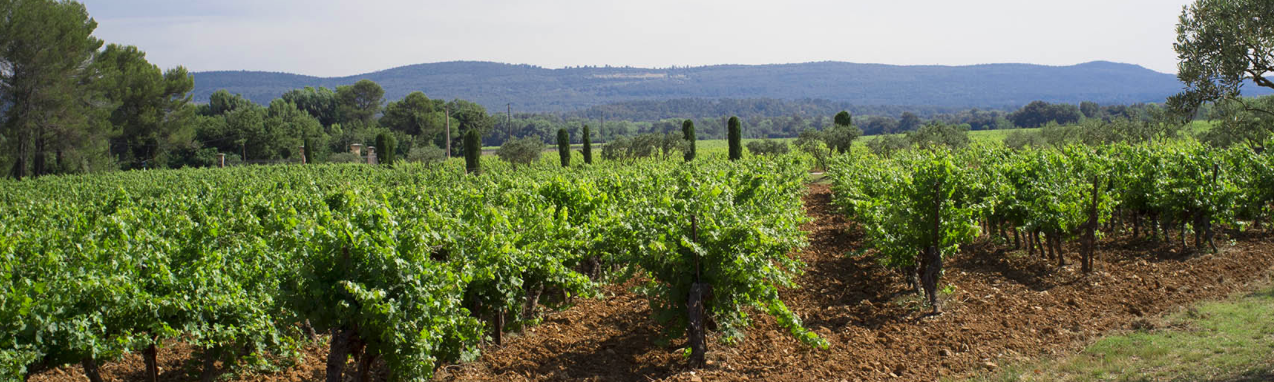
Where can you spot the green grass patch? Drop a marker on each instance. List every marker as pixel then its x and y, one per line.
pixel 1230 340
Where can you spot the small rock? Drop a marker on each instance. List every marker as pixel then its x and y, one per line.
pixel 990 365
pixel 944 353
pixel 695 378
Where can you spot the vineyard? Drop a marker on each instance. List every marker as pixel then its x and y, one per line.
pixel 410 268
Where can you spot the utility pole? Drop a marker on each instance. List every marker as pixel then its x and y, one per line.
pixel 447 111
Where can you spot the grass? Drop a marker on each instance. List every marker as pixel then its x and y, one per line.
pixel 1230 340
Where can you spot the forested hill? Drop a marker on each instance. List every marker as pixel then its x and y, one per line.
pixel 535 89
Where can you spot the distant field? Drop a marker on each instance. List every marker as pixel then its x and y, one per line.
pixel 982 136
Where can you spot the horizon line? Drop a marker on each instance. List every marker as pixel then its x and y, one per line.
pixel 671 67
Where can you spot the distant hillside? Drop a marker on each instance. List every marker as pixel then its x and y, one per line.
pixel 535 89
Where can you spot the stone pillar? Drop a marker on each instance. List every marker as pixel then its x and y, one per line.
pixel 221 160
pixel 371 154
pixel 356 148
pixel 302 154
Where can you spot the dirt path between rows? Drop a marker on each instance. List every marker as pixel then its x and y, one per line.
pixel 1005 307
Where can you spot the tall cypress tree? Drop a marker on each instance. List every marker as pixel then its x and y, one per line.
pixel 688 133
pixel 473 152
pixel 564 147
pixel 736 138
pixel 389 146
pixel 588 146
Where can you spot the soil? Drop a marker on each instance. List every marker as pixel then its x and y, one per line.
pixel 1005 306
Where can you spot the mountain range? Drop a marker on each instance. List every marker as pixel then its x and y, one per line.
pixel 535 89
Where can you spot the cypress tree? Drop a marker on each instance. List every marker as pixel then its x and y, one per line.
pixel 688 133
pixel 308 151
pixel 736 138
pixel 588 146
pixel 473 152
pixel 389 147
pixel 564 147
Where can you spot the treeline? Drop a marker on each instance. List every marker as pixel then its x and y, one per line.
pixel 71 106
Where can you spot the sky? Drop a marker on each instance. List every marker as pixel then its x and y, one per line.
pixel 339 38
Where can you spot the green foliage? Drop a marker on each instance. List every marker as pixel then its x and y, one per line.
pixel 318 102
pixel 586 137
pixel 841 137
pixel 1241 122
pixel 688 134
pixel 415 115
pixel 524 151
pixel 1222 44
pixel 427 153
pixel 643 146
pixel 47 104
pixel 408 261
pixel 811 142
pixel 843 118
pixel 473 152
pixel 1040 113
pixel 735 138
pixel 564 147
pixel 940 134
pixel 885 146
pixel 388 149
pixel 359 103
pixel 768 147
pixel 895 201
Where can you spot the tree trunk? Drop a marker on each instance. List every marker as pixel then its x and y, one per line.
pixel 933 267
pixel 90 369
pixel 1057 249
pixel 1136 225
pixel 152 365
pixel 933 261
pixel 19 169
pixel 1183 236
pixel 338 352
pixel 499 326
pixel 365 365
pixel 533 301
pixel 1017 240
pixel 309 331
pixel 209 372
pixel 1090 234
pixel 696 315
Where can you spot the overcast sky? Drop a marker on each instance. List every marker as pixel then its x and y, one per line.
pixel 339 38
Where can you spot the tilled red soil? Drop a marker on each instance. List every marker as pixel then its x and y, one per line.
pixel 1006 306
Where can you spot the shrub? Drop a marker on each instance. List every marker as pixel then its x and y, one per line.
pixel 426 154
pixel 768 147
pixel 521 151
